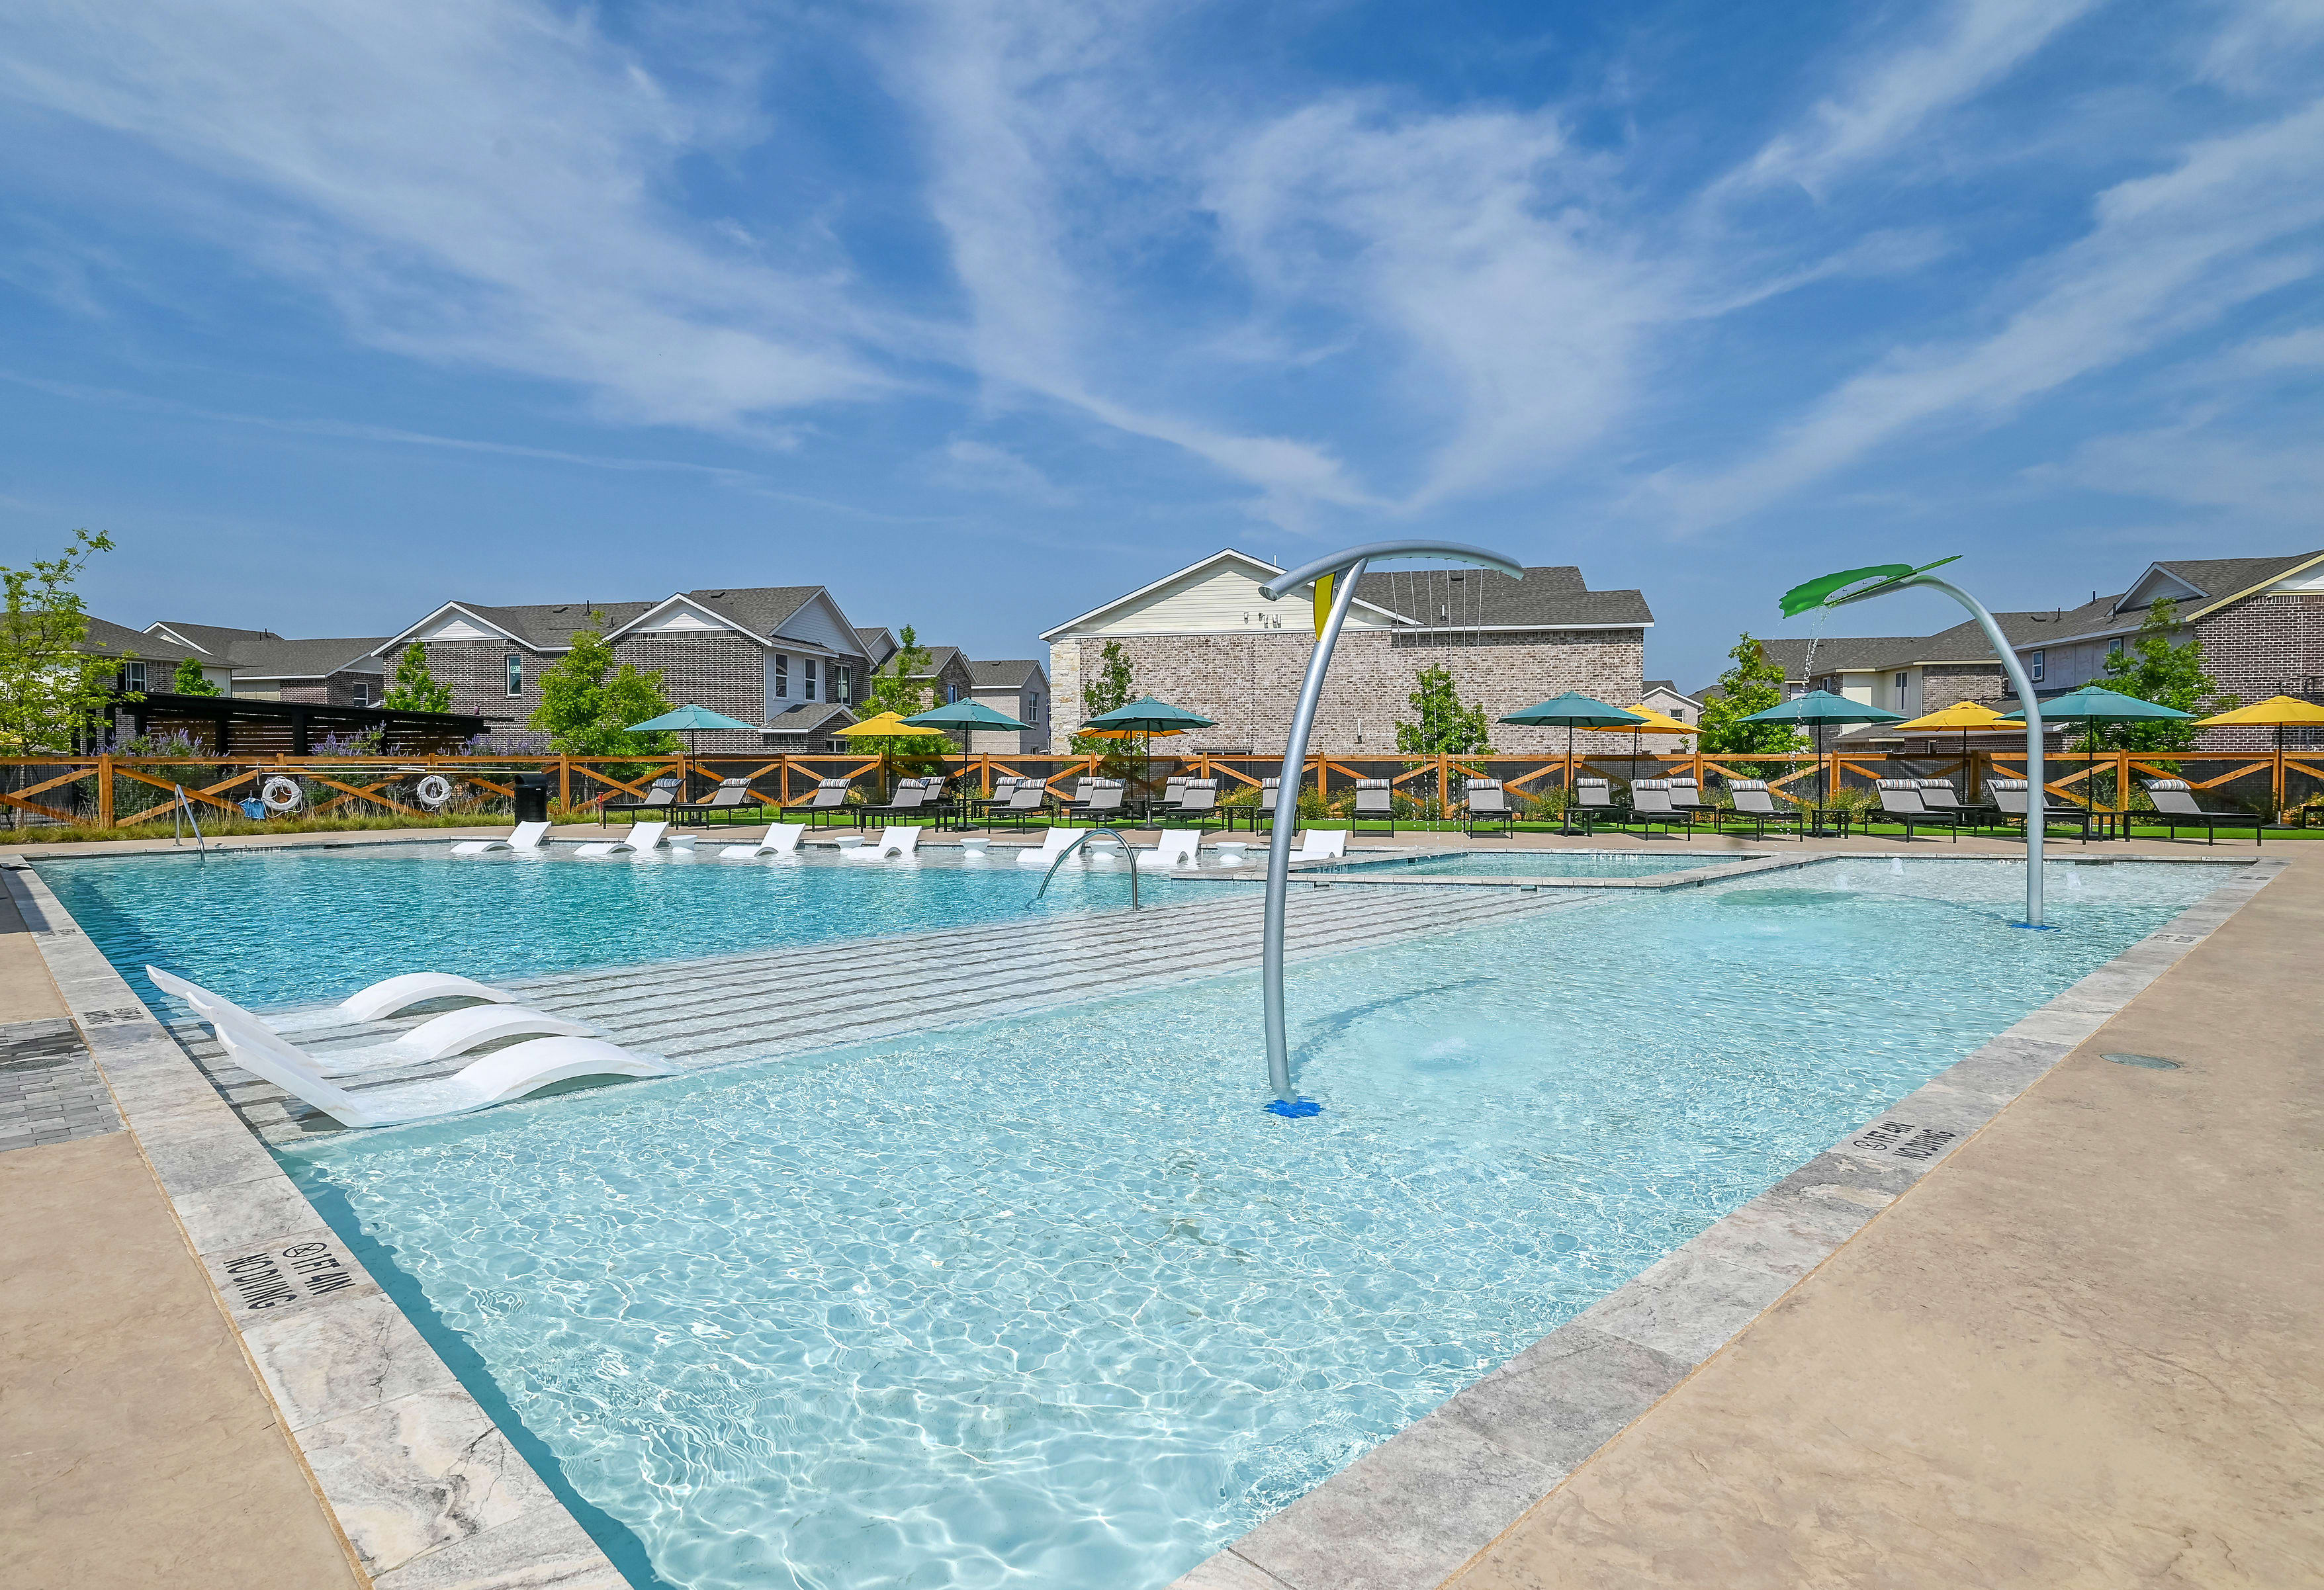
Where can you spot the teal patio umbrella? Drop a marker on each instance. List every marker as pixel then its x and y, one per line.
pixel 1147 717
pixel 1818 708
pixel 964 715
pixel 691 720
pixel 2094 705
pixel 1575 711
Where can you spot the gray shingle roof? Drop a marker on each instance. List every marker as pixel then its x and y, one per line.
pixel 306 660
pixel 760 610
pixel 216 640
pixel 1012 675
pixel 1486 598
pixel 807 718
pixel 938 656
pixel 120 640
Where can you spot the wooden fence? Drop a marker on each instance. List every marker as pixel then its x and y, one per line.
pixel 114 792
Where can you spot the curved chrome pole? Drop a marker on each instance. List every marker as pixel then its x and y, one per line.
pixel 1349 565
pixel 2036 807
pixel 1079 841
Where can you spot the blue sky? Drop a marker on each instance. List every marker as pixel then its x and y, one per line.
pixel 982 314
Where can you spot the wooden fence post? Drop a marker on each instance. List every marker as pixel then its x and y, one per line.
pixel 104 792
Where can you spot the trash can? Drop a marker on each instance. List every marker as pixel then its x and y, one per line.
pixel 532 797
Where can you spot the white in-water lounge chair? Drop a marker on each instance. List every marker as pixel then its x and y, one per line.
pixel 389 996
pixel 781 838
pixel 1177 847
pixel 514 1073
pixel 434 1039
pixel 643 836
pixel 525 836
pixel 1051 842
pixel 1322 844
pixel 892 842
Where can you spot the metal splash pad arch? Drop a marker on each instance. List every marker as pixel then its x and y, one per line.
pixel 1335 578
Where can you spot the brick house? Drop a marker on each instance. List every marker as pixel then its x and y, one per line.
pixel 1203 637
pixel 261 665
pixel 756 654
pixel 1020 688
pixel 2261 620
pixel 148 661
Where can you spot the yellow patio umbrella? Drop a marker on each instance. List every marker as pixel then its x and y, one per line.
pixel 2279 711
pixel 1963 715
pixel 885 726
pixel 1651 721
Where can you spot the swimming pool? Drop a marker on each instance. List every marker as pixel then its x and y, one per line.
pixel 1530 864
pixel 1050 1302
pixel 280 926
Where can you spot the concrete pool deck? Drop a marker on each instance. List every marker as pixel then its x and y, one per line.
pixel 526 1525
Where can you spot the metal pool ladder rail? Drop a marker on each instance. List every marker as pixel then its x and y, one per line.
pixel 184 809
pixel 1080 840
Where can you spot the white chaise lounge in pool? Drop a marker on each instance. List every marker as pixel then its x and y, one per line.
pixel 1047 851
pixel 643 836
pixel 525 836
pixel 892 842
pixel 1322 844
pixel 781 838
pixel 390 994
pixel 1177 847
pixel 434 1039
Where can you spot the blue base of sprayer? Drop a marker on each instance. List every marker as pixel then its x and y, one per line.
pixel 2036 927
pixel 1296 1109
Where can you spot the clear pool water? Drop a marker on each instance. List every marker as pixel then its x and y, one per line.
pixel 1051 1304
pixel 285 926
pixel 1531 864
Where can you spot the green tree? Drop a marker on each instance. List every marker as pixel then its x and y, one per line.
pixel 190 680
pixel 898 688
pixel 52 688
pixel 1446 727
pixel 1753 684
pixel 587 702
pixel 416 689
pixel 2152 668
pixel 1113 686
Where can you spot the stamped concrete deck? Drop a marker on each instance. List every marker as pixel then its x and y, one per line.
pixel 2085 1353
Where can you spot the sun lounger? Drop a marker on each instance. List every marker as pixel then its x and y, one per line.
pixel 1052 845
pixel 732 795
pixel 1592 798
pixel 1900 802
pixel 781 838
pixel 643 836
pixel 512 1073
pixel 2009 801
pixel 1322 844
pixel 911 799
pixel 402 992
pixel 524 836
pixel 1375 802
pixel 1650 804
pixel 1177 847
pixel 893 841
pixel 1686 796
pixel 660 796
pixel 1483 802
pixel 434 1039
pixel 830 795
pixel 2175 806
pixel 1755 804
pixel 1026 800
pixel 1103 801
pixel 1195 797
pixel 1270 790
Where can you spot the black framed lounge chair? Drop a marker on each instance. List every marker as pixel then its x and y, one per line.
pixel 1755 804
pixel 2009 803
pixel 913 796
pixel 1269 790
pixel 660 796
pixel 1102 798
pixel 1030 798
pixel 1650 803
pixel 1196 801
pixel 1002 788
pixel 1592 798
pixel 1483 802
pixel 1900 802
pixel 732 795
pixel 1936 794
pixel 2175 807
pixel 1375 802
pixel 830 795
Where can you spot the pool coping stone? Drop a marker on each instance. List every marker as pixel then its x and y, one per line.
pixel 1414 1509
pixel 429 1491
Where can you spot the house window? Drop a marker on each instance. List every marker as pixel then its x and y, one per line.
pixel 843 683
pixel 806 671
pixel 952 693
pixel 782 676
pixel 1033 708
pixel 1900 683
pixel 363 694
pixel 132 675
pixel 2113 647
pixel 515 674
pixel 2034 660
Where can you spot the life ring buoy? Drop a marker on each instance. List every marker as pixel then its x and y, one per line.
pixel 282 795
pixel 435 792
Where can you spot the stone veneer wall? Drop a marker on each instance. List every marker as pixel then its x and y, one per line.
pixel 1250 683
pixel 1945 684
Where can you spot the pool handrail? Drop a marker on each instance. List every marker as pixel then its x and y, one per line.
pixel 1079 840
